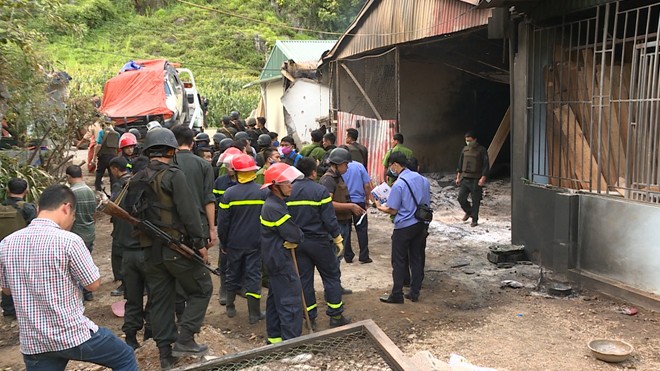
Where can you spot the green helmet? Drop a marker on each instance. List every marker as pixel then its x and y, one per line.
pixel 158 141
pixel 339 156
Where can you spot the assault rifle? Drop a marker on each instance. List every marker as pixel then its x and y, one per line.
pixel 146 226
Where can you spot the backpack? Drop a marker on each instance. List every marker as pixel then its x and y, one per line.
pixel 11 219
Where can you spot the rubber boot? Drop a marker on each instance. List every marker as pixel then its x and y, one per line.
pixel 339 320
pixel 131 340
pixel 223 291
pixel 186 346
pixel 167 360
pixel 254 309
pixel 231 308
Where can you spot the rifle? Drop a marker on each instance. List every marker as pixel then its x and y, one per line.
pixel 146 226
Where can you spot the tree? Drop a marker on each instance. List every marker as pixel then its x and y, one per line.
pixel 322 15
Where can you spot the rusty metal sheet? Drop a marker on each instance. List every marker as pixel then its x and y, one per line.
pixel 384 23
pixel 373 134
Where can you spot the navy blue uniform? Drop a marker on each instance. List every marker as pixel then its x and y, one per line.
pixel 221 185
pixel 284 313
pixel 310 205
pixel 238 221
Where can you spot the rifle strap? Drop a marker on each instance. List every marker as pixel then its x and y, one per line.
pixel 121 194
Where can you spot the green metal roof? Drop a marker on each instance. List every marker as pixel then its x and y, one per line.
pixel 296 50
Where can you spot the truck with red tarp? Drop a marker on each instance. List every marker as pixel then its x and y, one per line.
pixel 144 91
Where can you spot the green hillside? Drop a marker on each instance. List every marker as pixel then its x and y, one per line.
pixel 224 51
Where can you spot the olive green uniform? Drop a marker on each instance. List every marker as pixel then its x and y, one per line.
pixel 313 150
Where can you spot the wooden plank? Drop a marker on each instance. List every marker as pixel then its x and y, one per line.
pixel 551 137
pixel 578 151
pixel 390 352
pixel 611 127
pixel 364 93
pixel 500 136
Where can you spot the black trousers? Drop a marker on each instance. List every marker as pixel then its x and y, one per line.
pixel 116 261
pixel 408 252
pixel 103 165
pixel 362 235
pixel 162 278
pixel 470 186
pixel 135 280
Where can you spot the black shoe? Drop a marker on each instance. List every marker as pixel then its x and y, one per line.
pixel 131 340
pixel 466 217
pixel 345 291
pixel 339 320
pixel 347 260
pixel 413 298
pixel 230 306
pixel 88 296
pixel 366 261
pixel 474 223
pixel 9 314
pixel 119 291
pixel 391 299
pixel 167 363
pixel 187 346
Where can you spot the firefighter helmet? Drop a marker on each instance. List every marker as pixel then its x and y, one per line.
pixel 126 140
pixel 280 173
pixel 243 162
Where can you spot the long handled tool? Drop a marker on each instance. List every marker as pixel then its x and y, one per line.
pixel 302 293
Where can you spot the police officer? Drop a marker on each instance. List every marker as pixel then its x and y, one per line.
pixel 202 140
pixel 244 138
pixel 131 263
pixel 160 194
pixel 310 206
pixel 220 186
pixel 332 180
pixel 218 169
pixel 263 142
pixel 473 168
pixel 279 235
pixel 238 220
pixel 409 235
pixel 106 148
pixel 252 130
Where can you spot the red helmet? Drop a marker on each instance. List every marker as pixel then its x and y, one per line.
pixel 279 173
pixel 127 139
pixel 243 163
pixel 226 156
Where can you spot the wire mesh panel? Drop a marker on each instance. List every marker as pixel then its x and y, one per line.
pixel 593 102
pixel 360 346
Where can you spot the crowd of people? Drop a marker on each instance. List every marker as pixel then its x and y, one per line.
pixel 277 214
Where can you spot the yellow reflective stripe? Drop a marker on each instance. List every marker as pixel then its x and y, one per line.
pixel 241 203
pixel 129 166
pixel 274 340
pixel 256 296
pixel 276 223
pixel 218 191
pixel 309 203
pixel 313 306
pixel 336 306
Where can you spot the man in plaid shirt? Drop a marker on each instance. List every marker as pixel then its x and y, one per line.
pixel 43 267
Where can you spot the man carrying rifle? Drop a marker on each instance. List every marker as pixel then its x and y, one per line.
pixel 160 195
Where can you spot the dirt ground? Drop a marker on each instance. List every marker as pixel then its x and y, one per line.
pixel 462 310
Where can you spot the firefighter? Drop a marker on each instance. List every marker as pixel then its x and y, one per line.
pixel 310 205
pixel 280 235
pixel 238 219
pixel 127 144
pixel 222 183
pixel 341 201
pixel 160 193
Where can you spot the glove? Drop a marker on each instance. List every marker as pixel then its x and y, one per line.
pixel 290 245
pixel 339 242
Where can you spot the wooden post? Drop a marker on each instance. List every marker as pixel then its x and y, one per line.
pixel 500 136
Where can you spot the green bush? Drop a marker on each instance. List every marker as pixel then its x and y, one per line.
pixel 91 13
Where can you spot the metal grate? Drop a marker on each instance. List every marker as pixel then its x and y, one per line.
pixel 361 346
pixel 595 102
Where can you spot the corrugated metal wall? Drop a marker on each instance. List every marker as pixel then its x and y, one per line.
pixel 391 22
pixel 373 134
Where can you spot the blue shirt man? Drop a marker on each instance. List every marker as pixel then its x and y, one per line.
pixel 358 183
pixel 409 235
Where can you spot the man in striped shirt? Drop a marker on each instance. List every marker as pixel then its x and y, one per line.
pixel 43 266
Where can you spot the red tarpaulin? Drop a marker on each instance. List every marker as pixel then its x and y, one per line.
pixel 137 92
